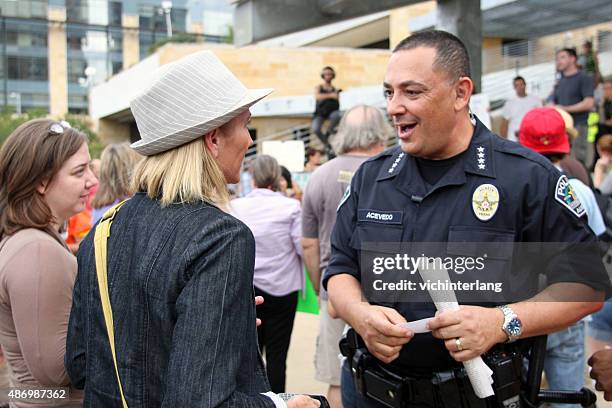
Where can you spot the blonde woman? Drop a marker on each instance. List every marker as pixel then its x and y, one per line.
pixel 116 168
pixel 180 268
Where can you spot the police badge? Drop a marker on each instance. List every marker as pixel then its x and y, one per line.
pixel 485 201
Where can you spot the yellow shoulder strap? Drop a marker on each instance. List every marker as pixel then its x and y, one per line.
pixel 100 244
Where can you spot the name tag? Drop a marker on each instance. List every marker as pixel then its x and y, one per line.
pixel 382 217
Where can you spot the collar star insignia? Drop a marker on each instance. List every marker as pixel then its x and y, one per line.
pixel 480 149
pixel 396 162
pixel 481 161
pixel 481 166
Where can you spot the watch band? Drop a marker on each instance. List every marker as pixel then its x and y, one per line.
pixel 509 316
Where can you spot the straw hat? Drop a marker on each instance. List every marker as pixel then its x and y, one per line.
pixel 569 124
pixel 187 99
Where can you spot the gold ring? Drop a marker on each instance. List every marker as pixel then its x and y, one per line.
pixel 458 343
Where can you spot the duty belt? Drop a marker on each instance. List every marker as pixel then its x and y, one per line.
pixel 440 390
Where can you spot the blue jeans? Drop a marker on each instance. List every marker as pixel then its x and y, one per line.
pixel 317 125
pixel 600 326
pixel 564 364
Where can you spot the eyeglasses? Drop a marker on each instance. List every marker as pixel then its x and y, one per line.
pixel 58 127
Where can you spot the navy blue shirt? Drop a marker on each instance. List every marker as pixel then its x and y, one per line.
pixel 389 202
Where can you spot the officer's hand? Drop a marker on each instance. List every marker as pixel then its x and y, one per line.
pixel 303 401
pixel 478 328
pixel 601 371
pixel 378 328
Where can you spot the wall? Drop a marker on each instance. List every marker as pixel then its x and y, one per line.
pixel 111 131
pixel 291 71
pixel 399 20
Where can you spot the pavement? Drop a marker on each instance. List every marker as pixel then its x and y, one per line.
pixel 300 361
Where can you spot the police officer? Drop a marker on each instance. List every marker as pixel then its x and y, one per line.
pixel 431 189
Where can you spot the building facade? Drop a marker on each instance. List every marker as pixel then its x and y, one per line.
pixel 53 51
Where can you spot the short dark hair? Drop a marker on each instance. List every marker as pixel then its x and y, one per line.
pixel 451 54
pixel 519 78
pixel 286 174
pixel 570 51
pixel 311 151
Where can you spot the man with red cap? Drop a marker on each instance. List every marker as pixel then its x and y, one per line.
pixel 543 130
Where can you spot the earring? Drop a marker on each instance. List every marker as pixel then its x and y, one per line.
pixel 472 117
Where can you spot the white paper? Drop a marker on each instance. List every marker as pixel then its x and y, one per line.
pixel 417 326
pixel 478 372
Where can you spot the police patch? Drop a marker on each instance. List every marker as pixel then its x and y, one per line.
pixel 565 194
pixel 347 194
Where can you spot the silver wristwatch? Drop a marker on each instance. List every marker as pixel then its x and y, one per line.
pixel 512 326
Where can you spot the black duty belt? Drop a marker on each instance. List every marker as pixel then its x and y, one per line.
pixel 448 389
pixel 442 390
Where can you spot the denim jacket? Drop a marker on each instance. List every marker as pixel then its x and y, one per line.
pixel 181 289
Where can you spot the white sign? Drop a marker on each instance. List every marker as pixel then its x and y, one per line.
pixel 289 153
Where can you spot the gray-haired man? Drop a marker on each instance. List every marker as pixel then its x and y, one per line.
pixel 361 134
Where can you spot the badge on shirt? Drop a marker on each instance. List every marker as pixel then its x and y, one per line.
pixel 565 194
pixel 485 201
pixel 344 176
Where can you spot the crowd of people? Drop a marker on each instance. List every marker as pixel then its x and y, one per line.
pixel 179 288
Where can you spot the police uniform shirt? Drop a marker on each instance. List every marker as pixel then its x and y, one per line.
pixel 388 201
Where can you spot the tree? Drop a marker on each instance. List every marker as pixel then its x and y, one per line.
pixel 9 121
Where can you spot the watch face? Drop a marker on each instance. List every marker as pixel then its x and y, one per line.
pixel 514 327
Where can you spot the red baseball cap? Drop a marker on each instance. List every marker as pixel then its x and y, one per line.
pixel 543 130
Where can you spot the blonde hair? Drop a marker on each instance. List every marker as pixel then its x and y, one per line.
pixel 116 169
pixel 186 174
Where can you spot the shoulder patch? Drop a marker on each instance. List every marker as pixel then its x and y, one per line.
pixel 565 194
pixel 347 194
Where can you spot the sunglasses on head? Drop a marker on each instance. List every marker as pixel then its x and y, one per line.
pixel 58 127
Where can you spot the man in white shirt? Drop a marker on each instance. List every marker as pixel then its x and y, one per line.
pixel 516 108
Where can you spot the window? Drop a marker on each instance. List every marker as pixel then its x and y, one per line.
pixel 28 68
pixel 24 8
pixel 24 39
pixel 515 48
pixel 89 11
pixel 114 13
pixel 76 70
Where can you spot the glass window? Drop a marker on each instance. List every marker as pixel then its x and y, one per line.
pixel 26 34
pixel 88 11
pixel 76 70
pixel 117 67
pixel 28 68
pixel 24 8
pixel 77 99
pixel 179 20
pixel 114 13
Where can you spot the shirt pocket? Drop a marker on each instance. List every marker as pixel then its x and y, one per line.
pixel 372 242
pixel 482 259
pixel 473 241
pixel 375 237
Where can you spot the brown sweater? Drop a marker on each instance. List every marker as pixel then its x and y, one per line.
pixel 37 274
